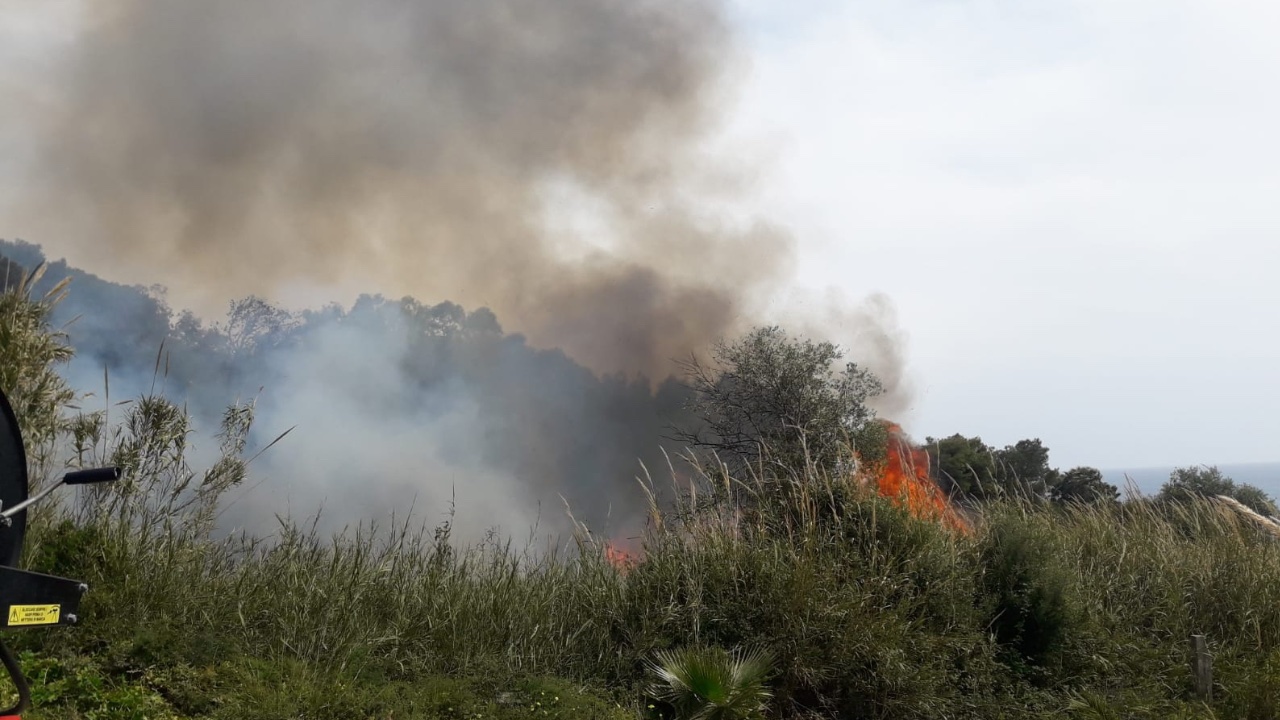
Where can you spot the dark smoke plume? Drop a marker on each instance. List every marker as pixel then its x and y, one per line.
pixel 540 166
pixel 468 150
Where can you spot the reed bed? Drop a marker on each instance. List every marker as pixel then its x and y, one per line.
pixel 867 611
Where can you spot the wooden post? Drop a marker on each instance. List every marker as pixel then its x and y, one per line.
pixel 1201 668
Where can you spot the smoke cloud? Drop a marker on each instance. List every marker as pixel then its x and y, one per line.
pixel 542 159
pixel 870 334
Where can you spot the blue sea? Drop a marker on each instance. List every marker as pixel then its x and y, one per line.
pixel 1262 475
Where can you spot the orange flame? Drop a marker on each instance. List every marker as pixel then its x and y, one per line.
pixel 905 478
pixel 620 559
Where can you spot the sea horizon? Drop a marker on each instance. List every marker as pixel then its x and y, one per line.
pixel 1264 475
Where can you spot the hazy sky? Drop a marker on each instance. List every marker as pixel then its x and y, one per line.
pixel 1072 204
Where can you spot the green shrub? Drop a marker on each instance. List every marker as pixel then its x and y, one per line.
pixel 1027 591
pixel 1252 687
pixel 286 691
pixel 66 549
pixel 79 688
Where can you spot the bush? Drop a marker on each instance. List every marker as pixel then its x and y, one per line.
pixel 770 398
pixel 1028 593
pixel 66 548
pixel 1253 689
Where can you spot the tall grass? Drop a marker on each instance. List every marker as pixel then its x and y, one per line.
pixel 32 352
pixel 867 611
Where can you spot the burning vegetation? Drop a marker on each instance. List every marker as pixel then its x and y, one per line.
pixel 868 609
pixel 904 477
pixel 769 405
pixel 233 150
pixel 620 558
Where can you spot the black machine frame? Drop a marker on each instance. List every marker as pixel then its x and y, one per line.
pixel 30 599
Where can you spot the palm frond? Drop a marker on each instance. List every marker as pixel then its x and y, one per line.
pixel 712 684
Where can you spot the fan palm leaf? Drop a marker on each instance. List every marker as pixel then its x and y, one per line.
pixel 712 684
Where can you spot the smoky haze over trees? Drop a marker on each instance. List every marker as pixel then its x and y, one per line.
pixel 395 402
pixel 544 168
pixel 542 160
pixel 399 403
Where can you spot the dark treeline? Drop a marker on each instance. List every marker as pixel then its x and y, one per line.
pixel 395 400
pixel 969 468
pixel 399 403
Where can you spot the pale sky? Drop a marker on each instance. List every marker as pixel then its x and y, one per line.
pixel 1072 203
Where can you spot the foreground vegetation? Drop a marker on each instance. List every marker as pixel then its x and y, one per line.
pixel 844 604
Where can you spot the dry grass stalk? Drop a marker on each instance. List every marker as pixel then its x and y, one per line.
pixel 1262 521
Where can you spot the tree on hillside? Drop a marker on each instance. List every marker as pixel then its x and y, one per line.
pixel 1189 482
pixel 255 324
pixel 1022 469
pixel 1207 481
pixel 963 464
pixel 970 466
pixel 1256 499
pixel 769 396
pixel 1083 485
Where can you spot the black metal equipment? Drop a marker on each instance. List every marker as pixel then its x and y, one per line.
pixel 28 599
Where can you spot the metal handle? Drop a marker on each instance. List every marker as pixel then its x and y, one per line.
pixel 77 477
pixel 96 475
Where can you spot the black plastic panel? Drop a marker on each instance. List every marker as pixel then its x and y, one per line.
pixel 33 600
pixel 13 484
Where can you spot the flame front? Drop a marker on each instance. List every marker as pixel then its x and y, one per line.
pixel 905 478
pixel 619 558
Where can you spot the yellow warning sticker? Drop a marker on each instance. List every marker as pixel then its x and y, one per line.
pixel 34 614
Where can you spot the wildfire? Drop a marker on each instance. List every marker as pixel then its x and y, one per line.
pixel 905 478
pixel 619 558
